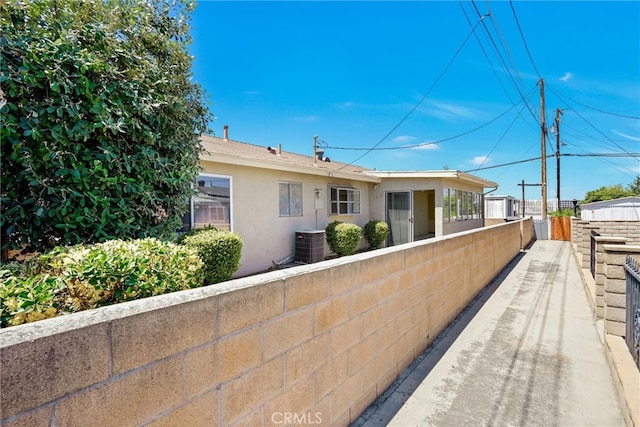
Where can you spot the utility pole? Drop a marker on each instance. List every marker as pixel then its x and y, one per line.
pixel 558 114
pixel 544 151
pixel 523 199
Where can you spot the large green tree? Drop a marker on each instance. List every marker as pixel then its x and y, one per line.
pixel 634 187
pixel 609 192
pixel 100 120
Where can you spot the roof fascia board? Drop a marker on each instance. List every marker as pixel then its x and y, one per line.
pixel 252 163
pixel 632 199
pixel 448 174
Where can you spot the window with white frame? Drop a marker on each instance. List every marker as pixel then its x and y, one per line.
pixel 453 205
pixel 211 206
pixel 290 198
pixel 478 205
pixel 459 205
pixel 446 205
pixel 344 201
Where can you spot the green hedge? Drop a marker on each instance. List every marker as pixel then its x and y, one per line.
pixel 219 251
pixel 375 233
pixel 71 279
pixel 562 213
pixel 342 237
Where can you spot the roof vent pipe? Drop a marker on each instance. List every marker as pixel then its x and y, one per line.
pixel 226 133
pixel 319 154
pixel 279 149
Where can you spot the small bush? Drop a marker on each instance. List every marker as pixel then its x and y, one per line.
pixel 562 213
pixel 179 239
pixel 343 238
pixel 219 251
pixel 71 279
pixel 375 232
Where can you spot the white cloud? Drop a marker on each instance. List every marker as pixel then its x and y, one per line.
pixel 624 135
pixel 479 160
pixel 404 139
pixel 407 140
pixel 451 111
pixel 567 76
pixel 426 146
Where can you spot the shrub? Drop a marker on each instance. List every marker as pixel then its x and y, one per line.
pixel 100 120
pixel 179 239
pixel 219 251
pixel 562 212
pixel 375 232
pixel 28 299
pixel 343 238
pixel 71 279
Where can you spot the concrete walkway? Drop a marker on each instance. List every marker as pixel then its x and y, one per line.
pixel 525 353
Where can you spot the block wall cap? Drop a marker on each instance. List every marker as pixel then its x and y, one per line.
pixel 611 239
pixel 635 249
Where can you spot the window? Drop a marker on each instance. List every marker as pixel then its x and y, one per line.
pixel 462 213
pixel 466 205
pixel 344 201
pixel 459 205
pixel 446 205
pixel 290 199
pixel 454 203
pixel 478 205
pixel 211 206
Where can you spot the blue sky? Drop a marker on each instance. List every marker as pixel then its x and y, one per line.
pixel 431 85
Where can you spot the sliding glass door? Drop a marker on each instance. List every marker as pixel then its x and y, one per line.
pixel 399 218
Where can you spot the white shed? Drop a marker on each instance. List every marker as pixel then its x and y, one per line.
pixel 502 207
pixel 624 209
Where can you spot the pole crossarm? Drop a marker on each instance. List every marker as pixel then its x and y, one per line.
pixel 523 185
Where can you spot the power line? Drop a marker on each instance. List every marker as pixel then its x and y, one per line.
pixel 622 169
pixel 484 52
pixel 591 125
pixel 601 154
pixel 403 147
pixel 499 140
pixel 505 46
pixel 533 159
pixel 602 111
pixel 515 16
pixel 501 59
pixel 446 68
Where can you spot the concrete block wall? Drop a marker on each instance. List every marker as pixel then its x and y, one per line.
pixel 630 230
pixel 600 278
pixel 627 229
pixel 615 300
pixel 314 344
pixel 580 238
pixel 581 235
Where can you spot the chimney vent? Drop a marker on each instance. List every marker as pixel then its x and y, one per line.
pixel 279 149
pixel 226 133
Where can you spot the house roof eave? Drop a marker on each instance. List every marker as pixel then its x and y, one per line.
pixel 446 174
pixel 281 166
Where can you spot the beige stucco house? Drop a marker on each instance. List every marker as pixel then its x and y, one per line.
pixel 266 195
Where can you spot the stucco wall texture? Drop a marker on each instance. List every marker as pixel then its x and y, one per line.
pixel 315 343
